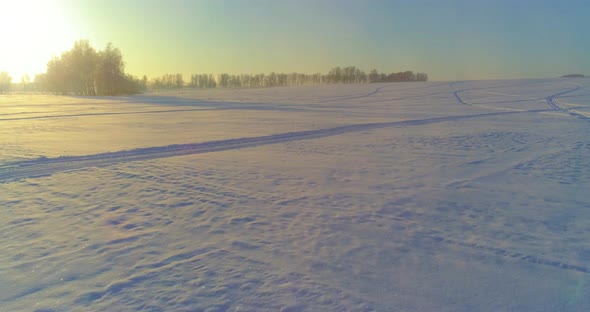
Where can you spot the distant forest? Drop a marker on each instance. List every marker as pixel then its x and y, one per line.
pixel 573 76
pixel 348 75
pixel 84 70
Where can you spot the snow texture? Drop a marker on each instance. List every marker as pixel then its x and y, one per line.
pixel 461 196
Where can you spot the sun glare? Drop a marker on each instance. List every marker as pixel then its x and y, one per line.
pixel 32 32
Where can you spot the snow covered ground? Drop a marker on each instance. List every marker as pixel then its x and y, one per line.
pixel 463 196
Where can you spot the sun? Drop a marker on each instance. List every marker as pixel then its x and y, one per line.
pixel 33 31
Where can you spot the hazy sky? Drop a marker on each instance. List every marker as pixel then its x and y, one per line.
pixel 447 39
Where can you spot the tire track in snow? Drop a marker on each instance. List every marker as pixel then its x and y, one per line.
pixel 551 100
pixel 406 98
pixel 379 90
pixel 456 94
pixel 358 96
pixel 577 95
pixel 221 107
pixel 501 252
pixel 106 114
pixel 48 166
pixel 461 101
pixel 259 108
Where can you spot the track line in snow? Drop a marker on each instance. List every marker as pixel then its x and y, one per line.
pixel 221 108
pixel 508 94
pixel 379 90
pixel 48 166
pixel 551 100
pixel 501 252
pixel 105 114
pixel 357 96
pixel 408 97
pixel 577 95
pixel 461 101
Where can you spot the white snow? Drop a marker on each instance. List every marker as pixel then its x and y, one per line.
pixel 463 196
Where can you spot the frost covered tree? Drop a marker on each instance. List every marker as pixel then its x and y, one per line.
pixel 86 71
pixel 179 81
pixel 349 74
pixel 40 82
pixel 5 82
pixel 25 80
pixel 421 77
pixel 109 71
pixel 81 63
pixel 168 81
pixel 373 76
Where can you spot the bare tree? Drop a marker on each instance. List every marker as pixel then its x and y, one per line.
pixel 5 82
pixel 421 77
pixel 110 71
pixel 40 82
pixel 85 71
pixel 25 80
pixel 178 81
pixel 349 74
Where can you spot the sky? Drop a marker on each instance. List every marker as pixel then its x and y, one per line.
pixel 449 40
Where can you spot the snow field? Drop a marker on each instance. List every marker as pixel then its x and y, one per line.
pixel 464 196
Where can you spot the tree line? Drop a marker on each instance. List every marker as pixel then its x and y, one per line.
pixel 346 75
pixel 5 82
pixel 86 71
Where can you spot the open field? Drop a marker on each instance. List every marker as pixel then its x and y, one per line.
pixel 437 196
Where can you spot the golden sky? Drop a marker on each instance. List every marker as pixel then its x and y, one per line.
pixel 449 40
